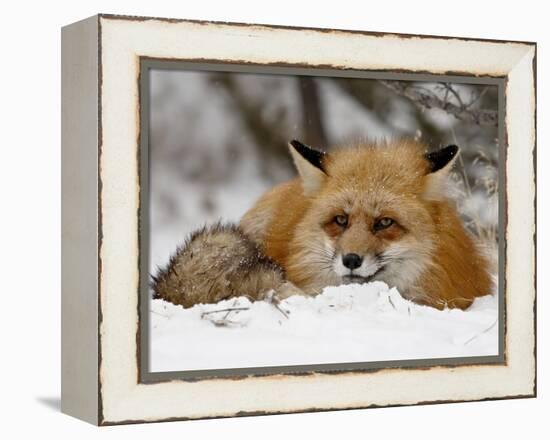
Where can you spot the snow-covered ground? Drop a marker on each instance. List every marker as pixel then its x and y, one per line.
pixel 352 323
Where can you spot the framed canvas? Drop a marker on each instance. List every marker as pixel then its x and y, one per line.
pixel 262 219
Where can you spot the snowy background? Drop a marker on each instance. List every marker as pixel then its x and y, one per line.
pixel 218 141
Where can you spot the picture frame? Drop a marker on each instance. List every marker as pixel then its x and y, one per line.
pixel 105 60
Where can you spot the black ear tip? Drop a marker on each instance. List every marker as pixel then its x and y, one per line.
pixel 452 150
pixel 313 156
pixel 296 144
pixel 440 158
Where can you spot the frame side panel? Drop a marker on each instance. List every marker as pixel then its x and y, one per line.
pixel 79 213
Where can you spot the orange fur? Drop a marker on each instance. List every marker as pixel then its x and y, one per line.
pixel 426 252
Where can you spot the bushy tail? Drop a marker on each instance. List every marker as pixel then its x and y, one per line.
pixel 215 263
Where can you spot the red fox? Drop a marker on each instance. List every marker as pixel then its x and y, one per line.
pixel 356 214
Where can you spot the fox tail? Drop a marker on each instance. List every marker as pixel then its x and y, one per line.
pixel 215 263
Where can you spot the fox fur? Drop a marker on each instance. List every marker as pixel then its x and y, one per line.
pixel 425 251
pixel 216 263
pixel 357 214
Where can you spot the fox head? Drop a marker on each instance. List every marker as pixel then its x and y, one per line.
pixel 373 212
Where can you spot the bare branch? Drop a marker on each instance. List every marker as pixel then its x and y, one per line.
pixel 451 89
pixel 428 99
pixel 481 333
pixel 274 300
pixel 369 95
pixel 478 97
pixel 266 133
pixel 229 309
pixel 312 112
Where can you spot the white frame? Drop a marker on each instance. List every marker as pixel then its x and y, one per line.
pixel 101 59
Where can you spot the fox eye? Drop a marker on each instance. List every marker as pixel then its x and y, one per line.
pixel 341 220
pixel 383 223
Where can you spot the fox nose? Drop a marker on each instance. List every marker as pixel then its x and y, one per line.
pixel 352 261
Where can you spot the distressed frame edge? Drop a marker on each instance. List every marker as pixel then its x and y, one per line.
pixel 80 221
pixel 535 201
pixel 106 422
pixel 531 55
pixel 237 24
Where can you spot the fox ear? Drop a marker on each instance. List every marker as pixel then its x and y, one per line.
pixel 309 163
pixel 442 159
pixel 440 163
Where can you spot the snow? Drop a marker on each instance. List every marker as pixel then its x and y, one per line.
pixel 352 323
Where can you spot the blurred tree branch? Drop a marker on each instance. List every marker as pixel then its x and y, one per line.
pixel 312 115
pixel 364 93
pixel 373 98
pixel 268 135
pixel 426 98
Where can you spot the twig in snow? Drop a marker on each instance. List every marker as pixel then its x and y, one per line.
pixel 481 333
pixel 226 323
pixel 285 314
pixel 228 310
pixel 391 302
pixel 271 298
